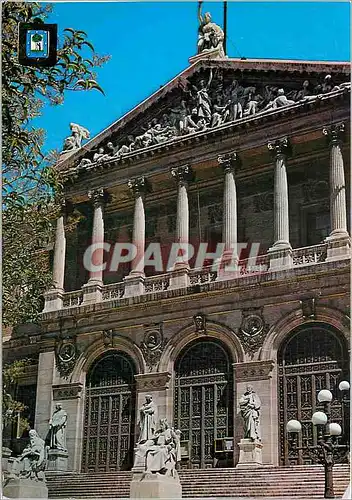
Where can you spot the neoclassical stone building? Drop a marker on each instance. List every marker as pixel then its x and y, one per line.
pixel 221 154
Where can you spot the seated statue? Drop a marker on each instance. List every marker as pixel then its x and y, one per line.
pixel 211 36
pixel 32 462
pixel 160 453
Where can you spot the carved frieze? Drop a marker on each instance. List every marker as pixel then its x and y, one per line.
pixel 153 345
pixel 67 391
pixel 264 202
pixel 254 370
pixel 253 330
pixel 153 381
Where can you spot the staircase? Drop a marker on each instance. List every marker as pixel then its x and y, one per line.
pixel 266 481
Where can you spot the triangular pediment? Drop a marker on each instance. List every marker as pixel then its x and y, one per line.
pixel 207 95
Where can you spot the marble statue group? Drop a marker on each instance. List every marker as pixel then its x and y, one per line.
pixel 32 462
pixel 158 447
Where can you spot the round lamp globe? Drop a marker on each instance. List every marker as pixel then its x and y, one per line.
pixel 319 418
pixel 324 396
pixel 344 385
pixel 335 429
pixel 293 426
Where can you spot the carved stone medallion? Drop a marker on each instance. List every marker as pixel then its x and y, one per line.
pixel 66 356
pixel 152 346
pixel 253 330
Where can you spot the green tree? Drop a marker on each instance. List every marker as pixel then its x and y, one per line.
pixel 31 186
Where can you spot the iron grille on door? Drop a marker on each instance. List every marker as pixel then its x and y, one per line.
pixel 313 359
pixel 109 415
pixel 203 400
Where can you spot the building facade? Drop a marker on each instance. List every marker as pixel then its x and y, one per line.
pixel 229 152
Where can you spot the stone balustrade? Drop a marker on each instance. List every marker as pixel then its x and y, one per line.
pixel 255 266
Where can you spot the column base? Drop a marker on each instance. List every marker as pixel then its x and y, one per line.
pixel 179 276
pixel 339 246
pixel 280 256
pixel 134 285
pixel 57 461
pixel 250 454
pixel 53 299
pixel 228 267
pixel 92 292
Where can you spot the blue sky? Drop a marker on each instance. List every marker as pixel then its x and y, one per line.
pixel 150 42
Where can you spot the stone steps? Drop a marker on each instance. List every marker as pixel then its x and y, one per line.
pixel 277 482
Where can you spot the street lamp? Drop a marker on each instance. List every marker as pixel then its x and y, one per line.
pixel 328 432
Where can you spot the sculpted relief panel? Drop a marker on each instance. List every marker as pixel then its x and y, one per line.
pixel 208 99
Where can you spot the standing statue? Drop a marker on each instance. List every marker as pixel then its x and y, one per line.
pixel 74 141
pixel 210 36
pixel 147 419
pixel 32 461
pixel 203 99
pixel 250 405
pixel 57 430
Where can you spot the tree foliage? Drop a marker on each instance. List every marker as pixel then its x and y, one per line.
pixel 31 186
pixel 11 374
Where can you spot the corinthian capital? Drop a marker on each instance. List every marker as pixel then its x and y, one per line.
pixel 280 147
pixel 97 196
pixel 229 161
pixel 138 186
pixel 334 133
pixel 183 174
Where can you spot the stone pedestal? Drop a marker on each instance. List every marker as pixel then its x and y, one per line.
pixel 53 300
pixel 5 455
pixel 280 258
pixel 155 486
pixel 25 488
pixel 339 247
pixel 250 454
pixel 134 285
pixel 92 292
pixel 179 277
pixel 57 461
pixel 209 54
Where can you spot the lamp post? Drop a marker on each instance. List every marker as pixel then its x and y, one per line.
pixel 327 444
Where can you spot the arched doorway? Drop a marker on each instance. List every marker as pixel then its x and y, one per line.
pixel 203 402
pixel 314 357
pixel 108 436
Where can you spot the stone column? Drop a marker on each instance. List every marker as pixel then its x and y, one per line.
pixel 281 251
pixel 338 241
pixel 53 297
pixel 44 400
pixel 92 291
pixel 183 175
pixel 135 281
pixel 229 225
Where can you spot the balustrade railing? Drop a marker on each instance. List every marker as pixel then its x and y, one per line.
pixel 246 267
pixel 72 299
pixel 309 255
pixel 113 291
pixel 157 283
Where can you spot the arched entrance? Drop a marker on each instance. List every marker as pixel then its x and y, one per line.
pixel 314 357
pixel 108 436
pixel 203 403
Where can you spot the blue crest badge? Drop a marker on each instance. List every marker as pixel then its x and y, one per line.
pixel 37 44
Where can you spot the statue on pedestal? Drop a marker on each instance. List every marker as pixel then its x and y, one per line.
pixel 250 405
pixel 147 419
pixel 57 430
pixel 211 36
pixel 160 453
pixel 32 462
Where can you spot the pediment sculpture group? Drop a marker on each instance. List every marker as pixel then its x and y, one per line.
pixel 32 462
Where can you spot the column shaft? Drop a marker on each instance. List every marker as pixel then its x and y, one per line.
pixel 338 213
pixel 97 238
pixel 59 255
pixel 281 215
